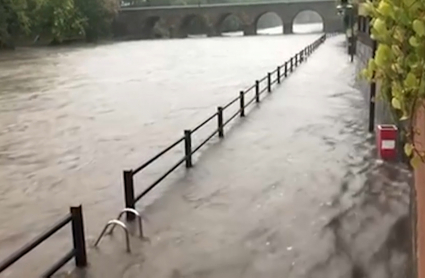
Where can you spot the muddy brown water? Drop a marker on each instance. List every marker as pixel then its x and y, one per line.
pixel 72 118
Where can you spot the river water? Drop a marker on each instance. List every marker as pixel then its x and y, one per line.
pixel 72 118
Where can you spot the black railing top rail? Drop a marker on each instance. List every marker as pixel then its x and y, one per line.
pixel 270 79
pixel 160 179
pixel 35 242
pixel 233 101
pixel 230 103
pixel 232 117
pixel 204 122
pixel 205 141
pixel 75 217
pixel 263 79
pixel 250 89
pixel 150 161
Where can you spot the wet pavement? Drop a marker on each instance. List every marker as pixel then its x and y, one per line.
pixel 294 190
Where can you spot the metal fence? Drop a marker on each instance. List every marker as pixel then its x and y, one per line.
pixel 75 217
pixel 260 86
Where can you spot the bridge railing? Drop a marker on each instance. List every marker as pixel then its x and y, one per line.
pixel 75 217
pixel 222 117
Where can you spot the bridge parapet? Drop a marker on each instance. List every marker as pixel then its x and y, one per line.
pixel 139 22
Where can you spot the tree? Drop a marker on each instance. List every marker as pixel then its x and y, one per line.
pixel 13 20
pixel 55 19
pixel 59 18
pixel 98 16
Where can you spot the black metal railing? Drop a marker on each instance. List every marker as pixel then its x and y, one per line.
pixel 75 217
pixel 260 86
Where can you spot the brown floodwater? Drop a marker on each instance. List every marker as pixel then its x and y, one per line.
pixel 72 118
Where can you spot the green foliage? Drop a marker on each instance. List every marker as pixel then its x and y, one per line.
pixel 399 63
pixel 13 19
pixel 98 15
pixel 56 19
pixel 60 18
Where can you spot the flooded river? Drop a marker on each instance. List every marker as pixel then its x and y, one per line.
pixel 72 118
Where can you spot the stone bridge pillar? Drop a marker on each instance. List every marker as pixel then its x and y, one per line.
pixel 213 31
pixel 176 32
pixel 250 30
pixel 288 28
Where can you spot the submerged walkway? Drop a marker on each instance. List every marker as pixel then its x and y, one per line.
pixel 294 190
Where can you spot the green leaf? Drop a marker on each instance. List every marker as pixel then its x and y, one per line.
pixel 396 50
pixel 411 81
pixel 419 27
pixel 380 26
pixel 371 65
pixel 415 161
pixel 404 118
pixel 383 55
pixel 408 149
pixel 396 90
pixel 385 9
pixel 396 103
pixel 413 41
pixel 369 8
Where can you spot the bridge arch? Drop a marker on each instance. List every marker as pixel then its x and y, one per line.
pixel 308 21
pixel 229 23
pixel 193 24
pixel 268 22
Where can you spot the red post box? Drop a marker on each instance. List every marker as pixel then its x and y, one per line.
pixel 386 141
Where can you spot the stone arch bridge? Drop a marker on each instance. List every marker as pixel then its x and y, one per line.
pixel 139 22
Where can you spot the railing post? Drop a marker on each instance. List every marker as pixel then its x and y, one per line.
pixel 220 122
pixel 269 82
pixel 257 91
pixel 129 193
pixel 188 148
pixel 278 75
pixel 292 64
pixel 286 69
pixel 301 57
pixel 78 236
pixel 242 103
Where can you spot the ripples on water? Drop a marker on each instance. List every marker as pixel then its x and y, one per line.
pixel 72 118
